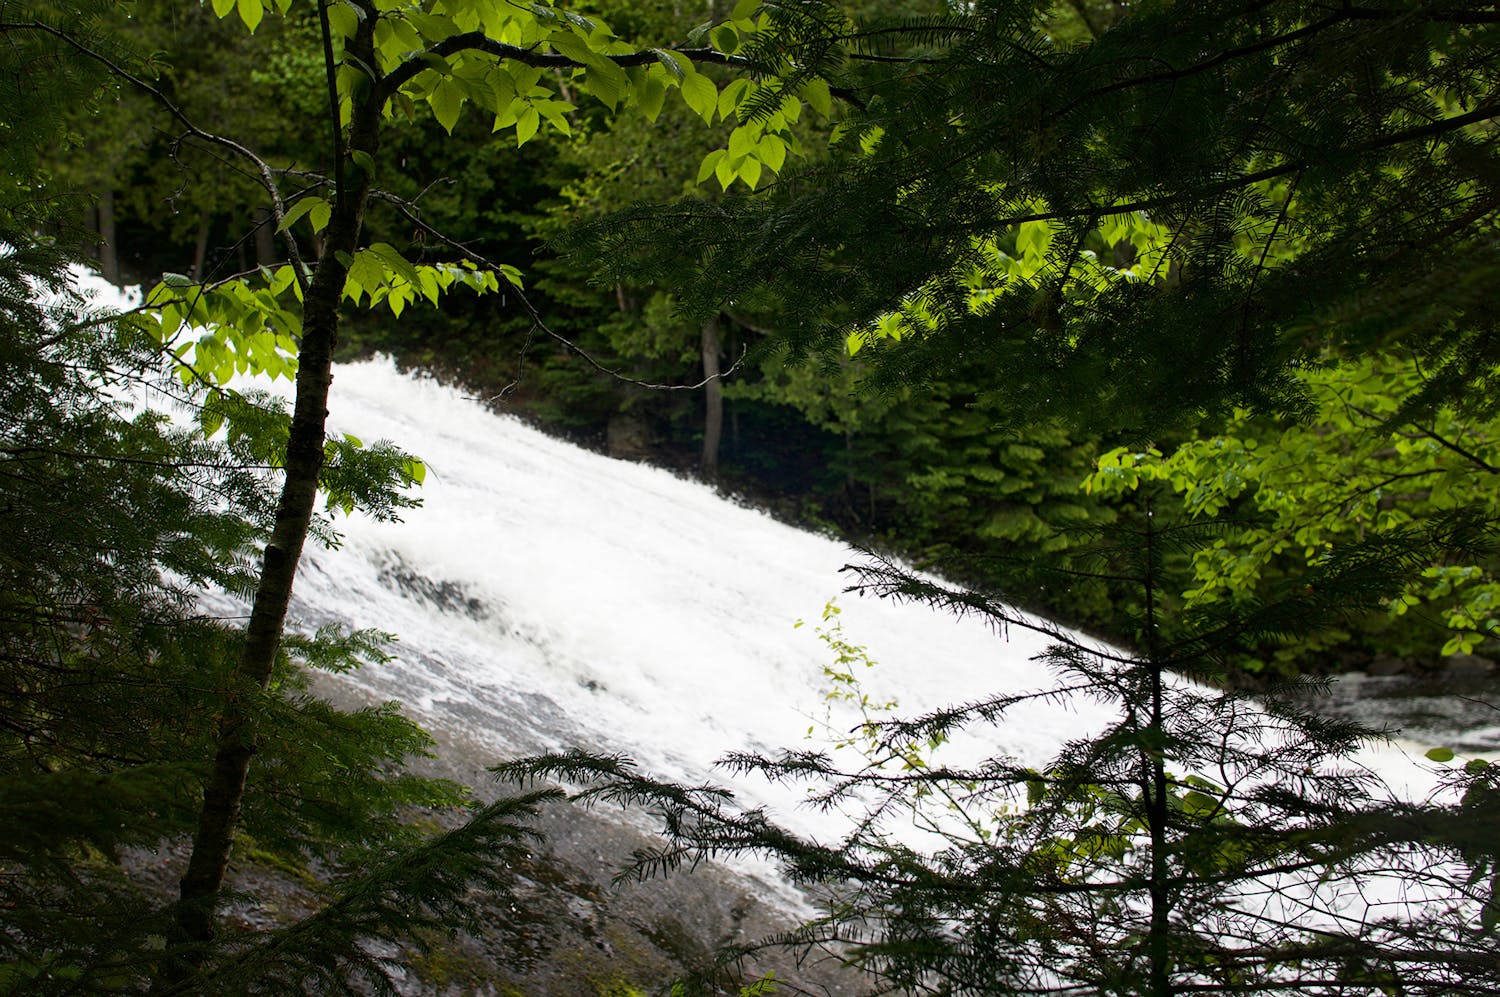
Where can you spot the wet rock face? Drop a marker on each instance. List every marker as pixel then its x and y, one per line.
pixel 628 436
pixel 565 929
pixel 1469 668
pixel 447 596
pixel 560 928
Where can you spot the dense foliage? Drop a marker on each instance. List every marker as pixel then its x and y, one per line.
pixel 113 678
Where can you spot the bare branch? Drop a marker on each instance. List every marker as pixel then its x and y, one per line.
pixel 539 323
pixel 266 175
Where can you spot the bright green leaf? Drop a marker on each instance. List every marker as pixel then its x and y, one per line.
pixel 771 150
pixel 446 100
pixel 741 141
pixel 815 92
pixel 651 95
pixel 726 170
pixel 750 171
pixel 251 12
pixel 527 124
pixel 343 21
pixel 710 164
pixel 700 94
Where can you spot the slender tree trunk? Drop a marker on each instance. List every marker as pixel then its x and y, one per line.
pixel 236 735
pixel 88 232
pixel 265 238
pixel 109 257
pixel 1154 777
pixel 200 249
pixel 713 400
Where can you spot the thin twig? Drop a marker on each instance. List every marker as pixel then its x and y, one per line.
pixel 540 323
pixel 266 175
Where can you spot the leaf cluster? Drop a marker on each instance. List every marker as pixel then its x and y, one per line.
pixel 114 678
pixel 1233 128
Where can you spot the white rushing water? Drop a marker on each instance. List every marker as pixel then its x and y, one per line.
pixel 546 597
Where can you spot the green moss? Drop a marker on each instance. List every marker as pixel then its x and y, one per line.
pixel 442 963
pixel 288 864
pixel 615 987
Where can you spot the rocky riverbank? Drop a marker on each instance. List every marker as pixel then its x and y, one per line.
pixel 563 928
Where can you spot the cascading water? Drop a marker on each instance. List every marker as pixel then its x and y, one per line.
pixel 545 596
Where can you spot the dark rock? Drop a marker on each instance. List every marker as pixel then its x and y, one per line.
pixel 1386 664
pixel 1468 667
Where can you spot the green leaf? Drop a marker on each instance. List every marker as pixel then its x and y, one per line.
pixel 251 12
pixel 569 45
pixel 343 21
pixel 678 65
pixel 512 274
pixel 366 274
pixel 446 100
pixel 394 261
pixel 651 95
pixel 815 92
pixel 726 170
pixel 1440 754
pixel 296 211
pixel 772 151
pixel 606 81
pixel 741 141
pixel 527 125
pixel 725 39
pixel 750 171
pixel 733 94
pixel 223 7
pixel 433 27
pixel 710 164
pixel 700 94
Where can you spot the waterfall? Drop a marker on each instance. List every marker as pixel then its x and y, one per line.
pixel 545 596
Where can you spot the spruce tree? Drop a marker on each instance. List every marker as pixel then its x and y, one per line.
pixel 1198 842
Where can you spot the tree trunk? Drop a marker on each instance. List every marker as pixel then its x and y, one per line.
pixel 109 258
pixel 1154 790
pixel 224 789
pixel 265 238
pixel 200 249
pixel 713 400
